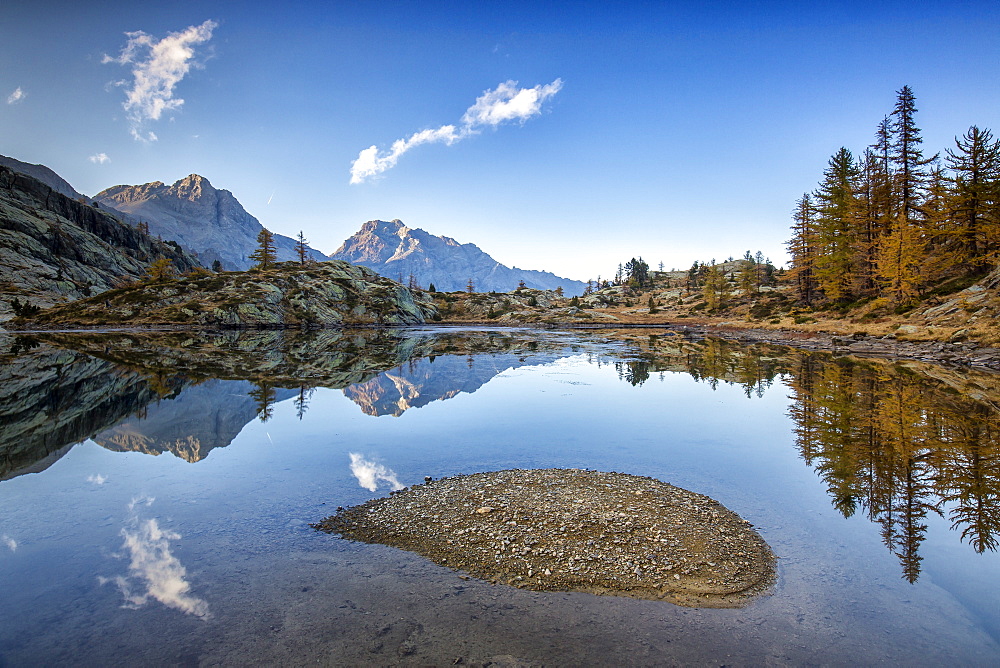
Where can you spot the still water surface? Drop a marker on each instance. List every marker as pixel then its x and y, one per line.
pixel 156 491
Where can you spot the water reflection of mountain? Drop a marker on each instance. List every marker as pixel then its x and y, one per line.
pixel 188 393
pixel 425 380
pixel 51 398
pixel 203 417
pixel 896 441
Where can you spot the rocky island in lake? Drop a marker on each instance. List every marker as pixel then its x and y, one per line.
pixel 573 530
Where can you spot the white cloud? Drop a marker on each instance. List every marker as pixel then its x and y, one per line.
pixel 503 104
pixel 370 163
pixel 369 473
pixel 9 542
pixel 16 96
pixel 154 572
pixel 99 159
pixel 157 67
pixel 507 102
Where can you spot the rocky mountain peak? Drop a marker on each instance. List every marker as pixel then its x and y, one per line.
pixel 205 219
pixel 398 252
pixel 192 188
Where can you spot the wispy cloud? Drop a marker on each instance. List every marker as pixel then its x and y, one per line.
pixel 369 473
pixel 16 96
pixel 99 159
pixel 9 542
pixel 157 67
pixel 505 103
pixel 154 572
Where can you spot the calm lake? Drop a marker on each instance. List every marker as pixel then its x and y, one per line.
pixel 156 493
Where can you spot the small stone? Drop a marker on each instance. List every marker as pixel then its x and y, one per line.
pixel 485 509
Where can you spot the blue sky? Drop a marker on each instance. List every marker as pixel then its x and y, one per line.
pixel 676 132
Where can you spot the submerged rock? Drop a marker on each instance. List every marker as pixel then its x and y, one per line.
pixel 573 530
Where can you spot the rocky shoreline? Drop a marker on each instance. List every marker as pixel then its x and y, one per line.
pixel 949 353
pixel 957 353
pixel 573 530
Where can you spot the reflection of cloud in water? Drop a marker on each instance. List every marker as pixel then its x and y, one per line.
pixel 9 542
pixel 369 473
pixel 154 572
pixel 97 479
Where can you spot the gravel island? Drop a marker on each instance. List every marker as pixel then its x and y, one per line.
pixel 573 530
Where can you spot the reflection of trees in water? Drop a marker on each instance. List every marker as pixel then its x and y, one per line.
pixel 890 441
pixel 263 395
pixel 710 361
pixel 302 400
pixel 900 446
pixel 633 372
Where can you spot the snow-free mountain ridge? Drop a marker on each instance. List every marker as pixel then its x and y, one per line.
pixel 200 217
pixel 399 252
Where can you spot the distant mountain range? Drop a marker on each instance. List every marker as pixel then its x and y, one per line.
pixel 399 252
pixel 200 217
pixel 212 223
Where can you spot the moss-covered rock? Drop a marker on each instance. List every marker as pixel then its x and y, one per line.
pixel 286 295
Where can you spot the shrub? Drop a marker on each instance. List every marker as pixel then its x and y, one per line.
pixel 23 310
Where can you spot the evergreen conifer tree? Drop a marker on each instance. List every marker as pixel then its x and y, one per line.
pixel 802 248
pixel 301 248
pixel 975 163
pixel 836 226
pixel 900 258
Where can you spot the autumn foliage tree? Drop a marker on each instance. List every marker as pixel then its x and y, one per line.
pixel 895 223
pixel 161 269
pixel 266 254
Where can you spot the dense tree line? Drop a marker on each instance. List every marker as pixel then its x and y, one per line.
pixel 894 223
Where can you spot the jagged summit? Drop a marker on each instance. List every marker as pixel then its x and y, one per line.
pixel 398 252
pixel 199 216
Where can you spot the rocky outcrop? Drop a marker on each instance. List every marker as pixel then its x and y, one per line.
pixel 287 295
pixel 397 251
pixel 200 217
pixel 976 305
pixel 54 248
